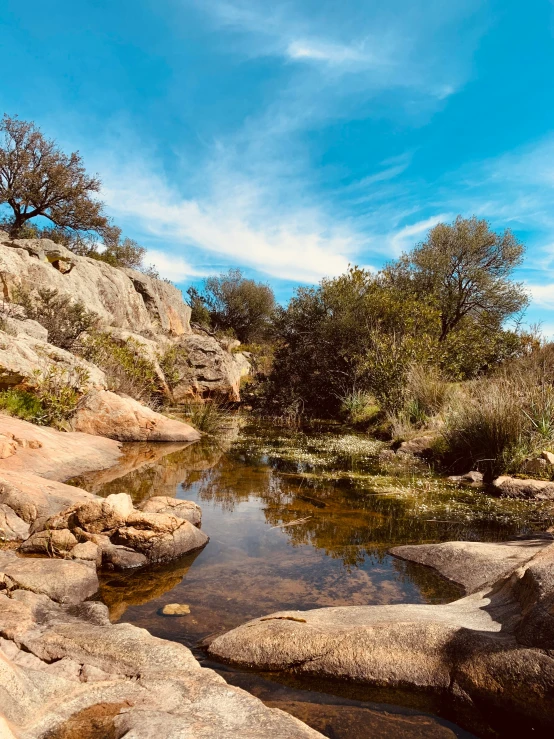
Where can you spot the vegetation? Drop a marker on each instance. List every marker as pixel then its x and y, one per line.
pixel 234 304
pixel 208 416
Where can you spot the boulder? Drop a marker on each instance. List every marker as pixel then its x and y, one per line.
pixel 122 418
pixel 184 509
pixel 122 298
pixel 64 581
pixel 49 543
pixel 549 457
pixel 514 487
pixel 167 540
pixel 88 551
pixel 25 326
pixel 12 527
pixel 22 357
pixel 421 446
pixel 207 369
pixel 52 454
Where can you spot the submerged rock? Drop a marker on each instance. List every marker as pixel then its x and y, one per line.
pixel 176 609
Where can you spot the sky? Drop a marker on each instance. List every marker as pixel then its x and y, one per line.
pixel 293 138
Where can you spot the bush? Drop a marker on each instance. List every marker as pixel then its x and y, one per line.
pixel 359 408
pixel 127 370
pixel 22 404
pixel 173 363
pixel 64 320
pixel 208 416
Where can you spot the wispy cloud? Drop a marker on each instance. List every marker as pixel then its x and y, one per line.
pixel 331 53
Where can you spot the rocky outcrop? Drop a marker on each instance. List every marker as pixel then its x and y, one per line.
pixel 208 370
pixel 123 298
pixel 125 419
pixel 65 671
pixel 24 360
pixel 515 487
pixel 490 648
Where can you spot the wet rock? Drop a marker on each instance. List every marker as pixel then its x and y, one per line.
pixel 473 564
pixel 515 487
pixel 176 609
pixel 122 558
pixel 125 419
pixel 64 581
pixel 184 509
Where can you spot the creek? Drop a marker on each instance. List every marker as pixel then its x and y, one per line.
pixel 301 520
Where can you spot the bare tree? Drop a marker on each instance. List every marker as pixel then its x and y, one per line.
pixel 38 179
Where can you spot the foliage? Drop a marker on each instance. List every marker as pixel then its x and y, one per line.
pixel 128 369
pixel 359 408
pixel 38 179
pixel 465 268
pixel 208 416
pixel 200 312
pixel 235 303
pixel 174 365
pixel 64 320
pixel 22 404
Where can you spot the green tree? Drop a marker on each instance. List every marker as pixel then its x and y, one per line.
pixel 236 303
pixel 465 268
pixel 38 179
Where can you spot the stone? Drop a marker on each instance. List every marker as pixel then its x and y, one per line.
pixel 54 454
pixel 473 564
pixel 49 543
pixel 7 446
pixel 548 456
pixel 514 487
pixel 162 545
pixel 122 558
pixel 12 527
pixel 535 466
pixel 25 326
pixel 176 609
pixel 22 356
pixel 100 514
pixel 208 370
pixel 185 509
pixel 64 581
pixel 420 446
pixel 87 550
pixel 122 418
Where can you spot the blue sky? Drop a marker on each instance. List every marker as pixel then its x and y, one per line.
pixel 291 138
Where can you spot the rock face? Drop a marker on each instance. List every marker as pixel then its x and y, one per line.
pixel 489 648
pixel 65 671
pixel 209 370
pixel 122 298
pixel 125 419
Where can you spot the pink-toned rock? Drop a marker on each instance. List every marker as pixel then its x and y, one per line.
pixel 7 446
pixel 186 509
pixel 49 543
pixel 122 418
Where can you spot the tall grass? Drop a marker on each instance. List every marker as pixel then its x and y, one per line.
pixel 208 416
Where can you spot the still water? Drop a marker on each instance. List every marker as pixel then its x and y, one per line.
pixel 301 520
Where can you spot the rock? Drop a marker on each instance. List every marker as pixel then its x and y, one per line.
pixel 8 446
pixel 490 647
pixel 473 477
pixel 207 369
pixel 53 454
pixel 107 414
pixel 535 466
pixel 122 298
pixel 473 564
pixel 387 455
pixel 184 509
pixel 64 581
pixel 89 551
pixel 176 609
pixel 21 356
pixel 122 558
pixel 49 543
pixel 144 348
pixel 25 326
pixel 168 542
pixel 421 446
pixel 548 456
pixel 12 527
pixel 100 515
pixel 515 487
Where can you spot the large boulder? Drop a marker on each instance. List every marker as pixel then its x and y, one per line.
pixel 491 648
pixel 123 298
pixel 515 487
pixel 117 417
pixel 185 509
pixel 208 369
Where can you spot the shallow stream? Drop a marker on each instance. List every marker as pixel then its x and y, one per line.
pixel 296 521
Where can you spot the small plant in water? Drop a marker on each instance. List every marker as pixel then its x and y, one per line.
pixel 207 416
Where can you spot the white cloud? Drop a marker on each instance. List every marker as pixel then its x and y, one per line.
pixel 331 53
pixel 406 237
pixel 542 295
pixel 173 267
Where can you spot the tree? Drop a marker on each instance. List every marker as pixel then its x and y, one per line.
pixel 237 303
pixel 38 179
pixel 465 269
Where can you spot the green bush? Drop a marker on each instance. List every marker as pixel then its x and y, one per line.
pixel 64 319
pixel 208 416
pixel 359 408
pixel 22 404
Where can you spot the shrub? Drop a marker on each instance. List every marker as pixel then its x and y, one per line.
pixel 208 416
pixel 173 363
pixel 22 404
pixel 359 408
pixel 127 369
pixel 64 319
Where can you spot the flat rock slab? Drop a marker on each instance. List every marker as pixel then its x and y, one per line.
pixel 53 454
pixel 473 564
pixel 64 581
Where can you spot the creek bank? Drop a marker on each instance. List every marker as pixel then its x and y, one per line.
pixel 490 649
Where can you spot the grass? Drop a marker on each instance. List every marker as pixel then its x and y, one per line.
pixel 208 416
